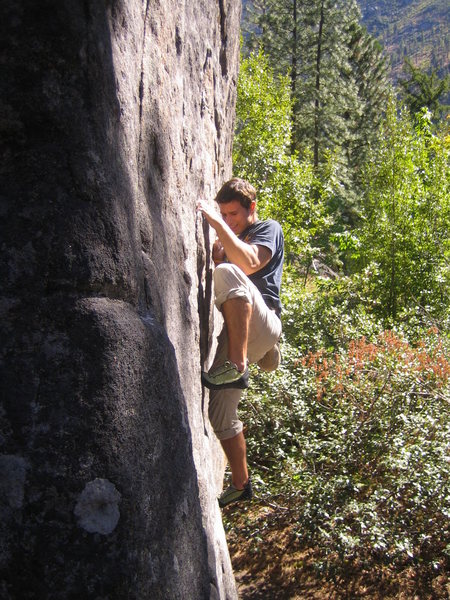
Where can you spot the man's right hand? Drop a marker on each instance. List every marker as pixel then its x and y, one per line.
pixel 210 214
pixel 218 253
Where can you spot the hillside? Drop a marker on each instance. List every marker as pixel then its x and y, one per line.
pixel 418 29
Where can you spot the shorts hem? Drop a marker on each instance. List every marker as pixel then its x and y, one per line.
pixel 227 434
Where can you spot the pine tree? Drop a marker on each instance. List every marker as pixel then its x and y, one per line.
pixel 338 82
pixel 287 188
pixel 273 26
pixel 371 71
pixel 423 90
pixel 310 40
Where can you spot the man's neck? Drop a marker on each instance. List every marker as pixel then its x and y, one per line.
pixel 253 220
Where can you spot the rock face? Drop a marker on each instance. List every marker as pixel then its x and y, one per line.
pixel 115 117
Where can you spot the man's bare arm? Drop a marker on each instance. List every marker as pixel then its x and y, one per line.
pixel 250 258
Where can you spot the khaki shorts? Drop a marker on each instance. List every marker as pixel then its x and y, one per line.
pixel 264 333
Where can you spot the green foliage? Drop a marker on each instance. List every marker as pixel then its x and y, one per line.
pixel 338 84
pixel 273 26
pixel 287 188
pixel 327 313
pixel 424 90
pixel 350 437
pixel 354 440
pixel 406 212
pixel 374 452
pixel 263 120
pixel 370 70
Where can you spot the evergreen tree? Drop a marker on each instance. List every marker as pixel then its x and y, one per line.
pixel 287 187
pixel 274 26
pixel 371 71
pixel 310 40
pixel 423 90
pixel 338 82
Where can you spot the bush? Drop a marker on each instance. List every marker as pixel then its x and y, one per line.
pixel 405 215
pixel 355 443
pixel 328 313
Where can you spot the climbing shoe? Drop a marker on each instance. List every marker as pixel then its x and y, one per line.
pixel 232 494
pixel 225 376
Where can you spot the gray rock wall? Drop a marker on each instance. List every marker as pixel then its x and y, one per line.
pixel 115 116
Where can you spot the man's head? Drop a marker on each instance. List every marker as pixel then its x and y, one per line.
pixel 237 204
pixel 237 189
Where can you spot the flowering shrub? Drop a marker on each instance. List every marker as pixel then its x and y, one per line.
pixel 363 361
pixel 355 442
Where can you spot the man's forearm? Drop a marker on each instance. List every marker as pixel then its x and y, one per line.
pixel 248 257
pixel 239 253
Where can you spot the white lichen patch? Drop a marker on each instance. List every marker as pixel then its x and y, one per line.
pixel 97 508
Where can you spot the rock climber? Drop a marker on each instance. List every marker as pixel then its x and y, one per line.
pixel 248 255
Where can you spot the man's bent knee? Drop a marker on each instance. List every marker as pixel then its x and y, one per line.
pixel 230 282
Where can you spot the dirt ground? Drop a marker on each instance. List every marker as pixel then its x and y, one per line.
pixel 273 565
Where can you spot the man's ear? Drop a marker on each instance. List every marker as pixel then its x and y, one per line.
pixel 252 206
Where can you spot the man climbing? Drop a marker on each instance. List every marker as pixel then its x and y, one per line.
pixel 248 255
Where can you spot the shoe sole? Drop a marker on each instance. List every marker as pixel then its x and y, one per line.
pixel 240 384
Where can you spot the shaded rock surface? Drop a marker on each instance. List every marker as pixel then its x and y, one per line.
pixel 115 116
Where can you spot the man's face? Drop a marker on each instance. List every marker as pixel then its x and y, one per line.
pixel 236 216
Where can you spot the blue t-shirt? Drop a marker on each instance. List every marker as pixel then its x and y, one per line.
pixel 268 279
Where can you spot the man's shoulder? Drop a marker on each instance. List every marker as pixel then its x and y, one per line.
pixel 266 225
pixel 269 229
pixel 272 228
pixel 265 233
pixel 273 223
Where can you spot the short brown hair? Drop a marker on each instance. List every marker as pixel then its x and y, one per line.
pixel 237 189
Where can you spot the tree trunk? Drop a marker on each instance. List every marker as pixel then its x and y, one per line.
pixel 317 88
pixel 116 117
pixel 294 50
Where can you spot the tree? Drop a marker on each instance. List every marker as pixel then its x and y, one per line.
pixel 424 90
pixel 370 69
pixel 338 82
pixel 274 26
pixel 287 187
pixel 406 211
pixel 263 119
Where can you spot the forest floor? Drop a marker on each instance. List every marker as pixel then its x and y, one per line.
pixel 273 565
